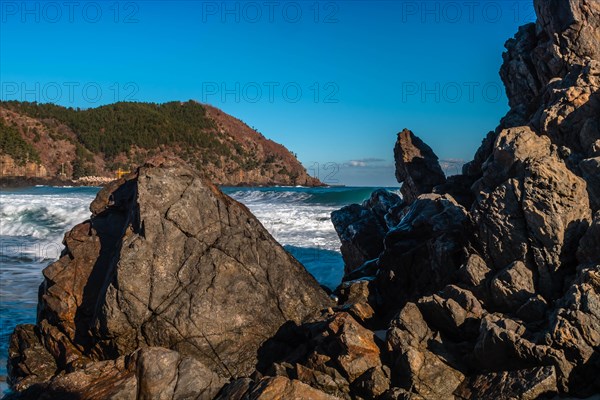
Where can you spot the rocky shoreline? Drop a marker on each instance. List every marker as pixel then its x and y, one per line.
pixel 15 182
pixel 476 286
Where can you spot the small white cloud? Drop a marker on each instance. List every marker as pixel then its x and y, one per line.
pixel 365 162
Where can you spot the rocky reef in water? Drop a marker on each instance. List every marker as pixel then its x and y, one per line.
pixel 476 286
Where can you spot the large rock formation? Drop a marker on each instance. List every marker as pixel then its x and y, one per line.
pixel 530 208
pixel 497 295
pixel 149 373
pixel 166 261
pixel 417 167
pixel 484 285
pixel 361 228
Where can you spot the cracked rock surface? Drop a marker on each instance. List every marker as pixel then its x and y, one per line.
pixel 166 261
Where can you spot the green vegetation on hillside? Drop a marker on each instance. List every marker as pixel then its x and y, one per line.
pixel 83 165
pixel 13 144
pixel 115 128
pixel 102 140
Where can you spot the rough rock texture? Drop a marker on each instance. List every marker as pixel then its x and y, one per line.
pixel 485 285
pixel 361 234
pixel 272 388
pixel 29 361
pixel 167 260
pixel 424 251
pixel 361 228
pixel 417 166
pixel 489 287
pixel 336 355
pixel 150 373
pixel 530 208
pixel 551 74
pixel 527 384
pixel 414 366
pixel 512 287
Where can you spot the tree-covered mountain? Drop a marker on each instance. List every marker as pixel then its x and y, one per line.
pixel 53 140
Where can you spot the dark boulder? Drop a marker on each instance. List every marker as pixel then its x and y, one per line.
pixel 361 233
pixel 361 228
pixel 167 260
pixel 525 384
pixel 417 166
pixel 380 202
pixel 150 373
pixel 424 252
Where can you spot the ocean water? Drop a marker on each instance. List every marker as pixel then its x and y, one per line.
pixel 34 220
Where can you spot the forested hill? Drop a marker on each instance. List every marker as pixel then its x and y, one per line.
pixel 47 140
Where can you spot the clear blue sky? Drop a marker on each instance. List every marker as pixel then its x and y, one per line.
pixel 332 81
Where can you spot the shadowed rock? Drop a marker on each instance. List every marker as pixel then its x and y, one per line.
pixel 527 384
pixel 423 253
pixel 361 234
pixel 417 166
pixel 150 373
pixel 167 260
pixel 361 228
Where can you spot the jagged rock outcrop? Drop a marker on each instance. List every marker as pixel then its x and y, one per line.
pixel 149 373
pixel 425 250
pixel 335 354
pixel 361 228
pixel 525 384
pixel 486 285
pixel 417 166
pixel 167 261
pixel 414 366
pixel 272 388
pixel 498 297
pixel 530 208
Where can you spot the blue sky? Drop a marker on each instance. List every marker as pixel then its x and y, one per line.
pixel 333 81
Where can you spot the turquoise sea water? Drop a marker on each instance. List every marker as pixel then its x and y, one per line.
pixel 34 220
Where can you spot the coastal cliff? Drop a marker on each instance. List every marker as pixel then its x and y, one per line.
pixel 46 141
pixel 476 286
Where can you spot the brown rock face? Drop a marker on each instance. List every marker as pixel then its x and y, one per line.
pixel 500 299
pixel 168 261
pixel 528 384
pixel 530 207
pixel 416 366
pixel 552 75
pixel 417 167
pixel 494 293
pixel 273 388
pixel 150 373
